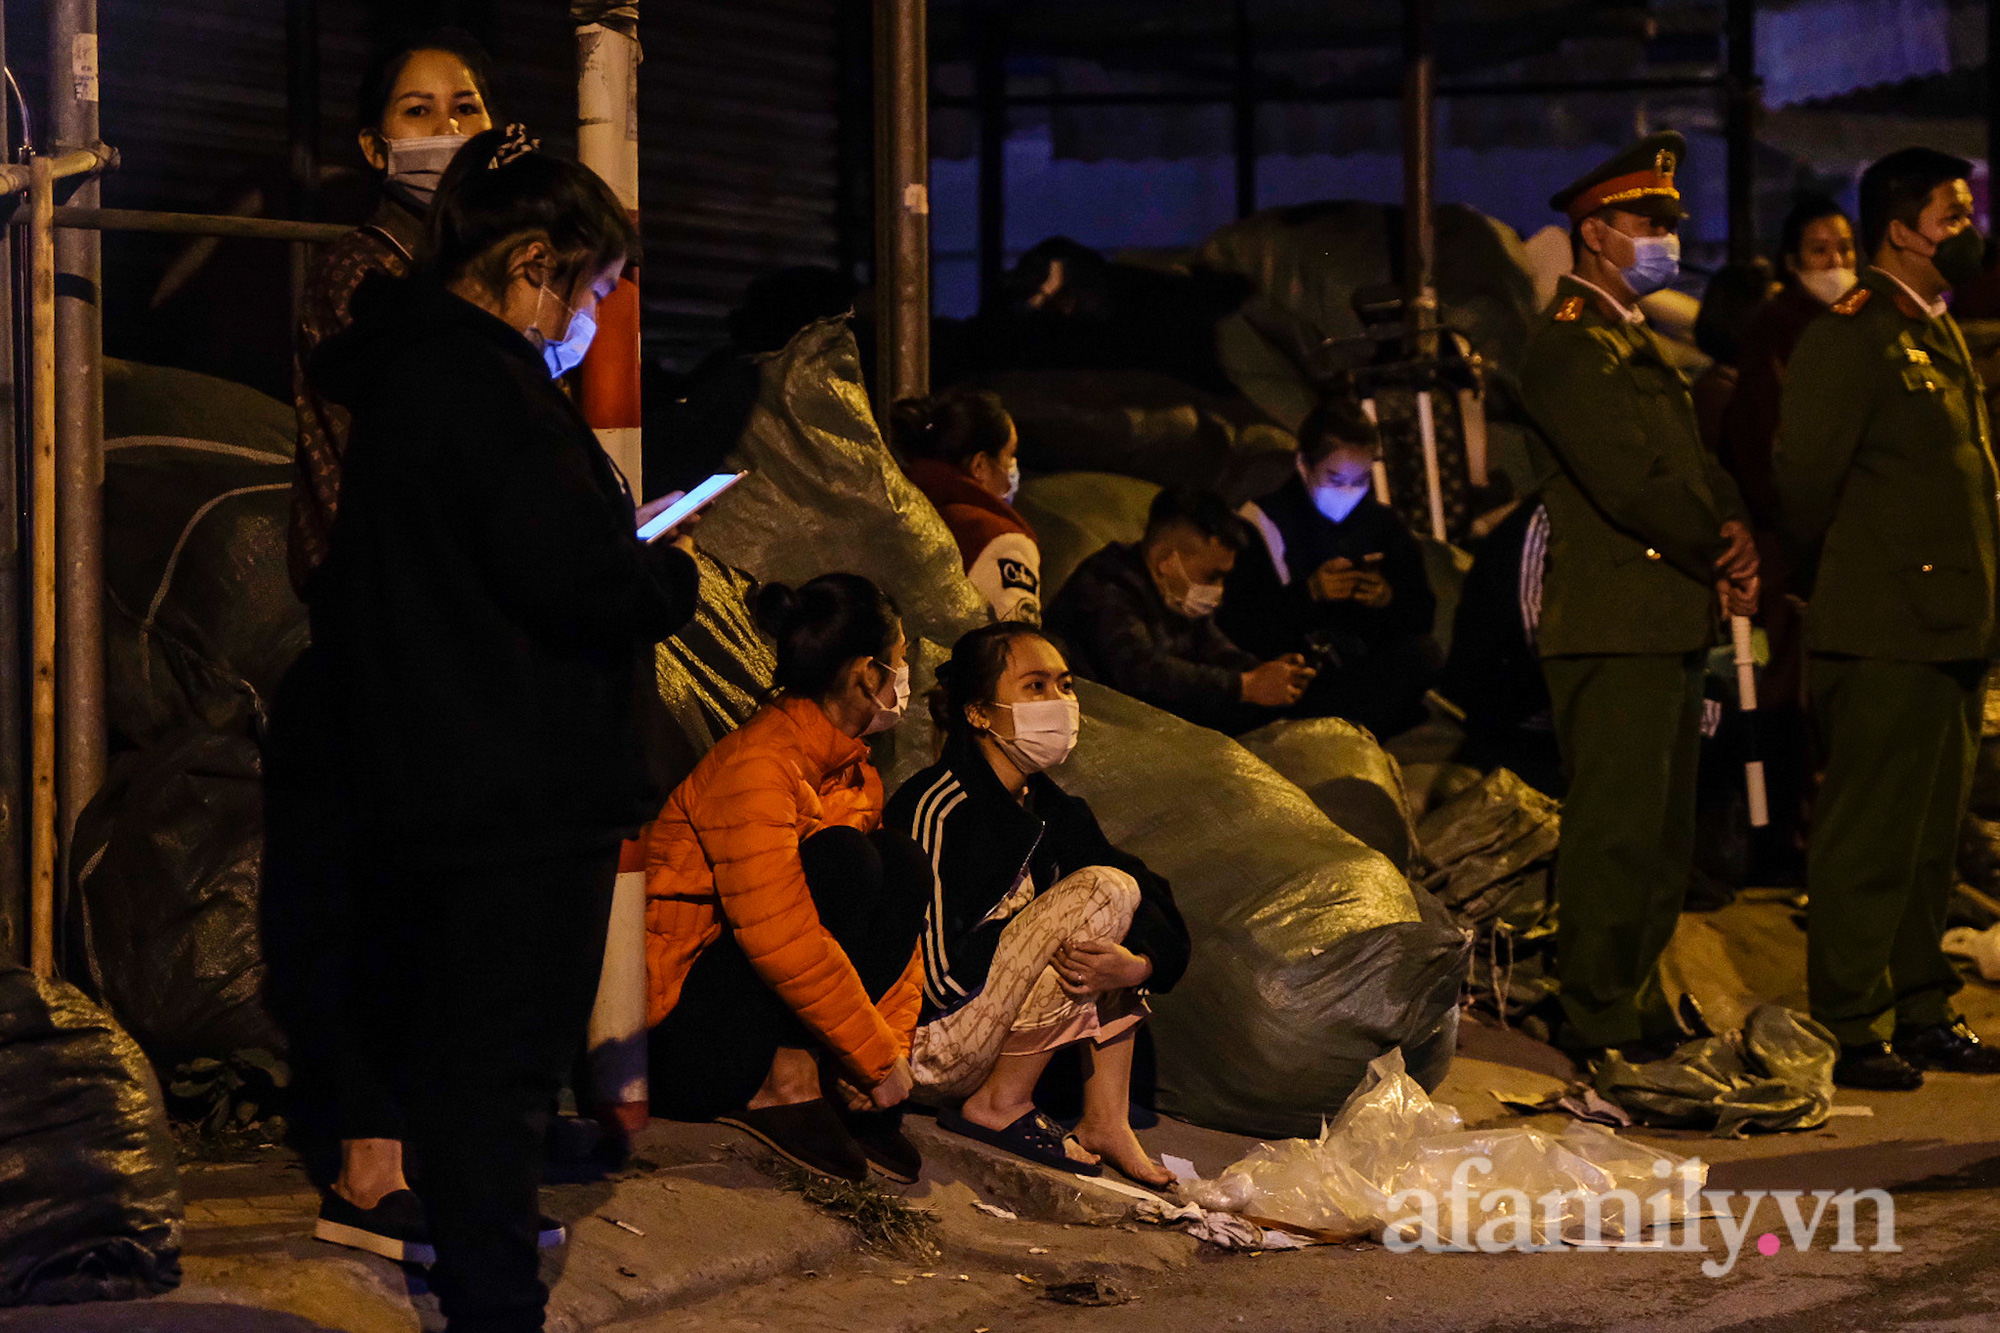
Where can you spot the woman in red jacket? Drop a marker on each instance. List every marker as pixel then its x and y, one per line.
pixel 961 450
pixel 781 918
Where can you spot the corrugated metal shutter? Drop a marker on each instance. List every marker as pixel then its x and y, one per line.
pixel 738 153
pixel 737 124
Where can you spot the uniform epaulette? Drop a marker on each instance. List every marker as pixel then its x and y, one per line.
pixel 1568 311
pixel 1851 303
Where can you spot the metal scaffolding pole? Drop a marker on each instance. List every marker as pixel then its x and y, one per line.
pixel 990 88
pixel 79 351
pixel 1740 127
pixel 1419 222
pixel 13 652
pixel 902 204
pixel 42 839
pixel 1243 111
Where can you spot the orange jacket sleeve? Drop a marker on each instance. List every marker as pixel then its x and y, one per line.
pixel 747 825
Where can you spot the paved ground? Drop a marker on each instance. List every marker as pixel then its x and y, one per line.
pixel 708 1244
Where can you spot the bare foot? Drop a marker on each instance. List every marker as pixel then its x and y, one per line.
pixel 1118 1145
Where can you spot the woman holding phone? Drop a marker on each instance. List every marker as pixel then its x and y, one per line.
pixel 487 610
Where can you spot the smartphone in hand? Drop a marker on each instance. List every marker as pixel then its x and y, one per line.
pixel 690 504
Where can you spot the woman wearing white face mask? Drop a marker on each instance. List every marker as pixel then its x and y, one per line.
pixel 962 451
pixel 1816 264
pixel 1338 577
pixel 430 94
pixel 418 105
pixel 782 914
pixel 1042 934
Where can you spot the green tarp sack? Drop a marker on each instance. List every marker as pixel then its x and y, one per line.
pixel 1312 953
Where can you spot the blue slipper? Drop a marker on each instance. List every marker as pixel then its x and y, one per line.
pixel 1034 1137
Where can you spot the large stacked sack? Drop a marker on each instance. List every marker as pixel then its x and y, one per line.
pixel 165 904
pixel 200 626
pixel 90 1201
pixel 1312 952
pixel 1139 423
pixel 200 619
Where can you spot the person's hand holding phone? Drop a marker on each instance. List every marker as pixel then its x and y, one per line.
pixel 681 536
pixel 1278 683
pixel 1334 581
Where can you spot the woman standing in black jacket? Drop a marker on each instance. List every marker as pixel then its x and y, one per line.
pixel 1041 934
pixel 487 609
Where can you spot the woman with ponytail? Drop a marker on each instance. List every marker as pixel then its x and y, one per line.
pixel 960 448
pixel 781 918
pixel 1041 934
pixel 487 614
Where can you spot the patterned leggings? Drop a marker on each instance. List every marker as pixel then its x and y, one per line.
pixel 952 1056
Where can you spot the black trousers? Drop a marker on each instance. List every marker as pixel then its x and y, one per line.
pixel 311 927
pixel 710 1055
pixel 485 979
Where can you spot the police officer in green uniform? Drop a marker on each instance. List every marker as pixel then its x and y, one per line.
pixel 1886 480
pixel 1645 532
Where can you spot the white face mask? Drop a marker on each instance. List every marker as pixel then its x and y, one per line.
pixel 889 713
pixel 564 356
pixel 416 164
pixel 1013 482
pixel 1200 599
pixel 1828 284
pixel 1045 732
pixel 1334 499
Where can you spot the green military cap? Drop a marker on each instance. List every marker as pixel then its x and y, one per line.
pixel 1639 180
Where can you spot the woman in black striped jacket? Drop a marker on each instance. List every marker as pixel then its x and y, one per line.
pixel 1040 934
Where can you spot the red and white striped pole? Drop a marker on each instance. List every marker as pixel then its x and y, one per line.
pixel 607 141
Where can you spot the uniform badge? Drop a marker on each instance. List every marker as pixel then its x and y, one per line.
pixel 1917 356
pixel 1663 165
pixel 1568 311
pixel 1851 303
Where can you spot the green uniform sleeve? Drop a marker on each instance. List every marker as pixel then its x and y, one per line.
pixel 1821 417
pixel 1728 496
pixel 1587 405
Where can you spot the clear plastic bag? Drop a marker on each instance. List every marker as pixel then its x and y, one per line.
pixel 1395 1165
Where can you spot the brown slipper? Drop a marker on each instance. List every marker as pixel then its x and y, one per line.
pixel 807 1134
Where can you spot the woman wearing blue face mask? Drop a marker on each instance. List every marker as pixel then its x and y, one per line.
pixel 961 450
pixel 487 615
pixel 1338 577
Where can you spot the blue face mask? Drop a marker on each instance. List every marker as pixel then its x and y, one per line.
pixel 1656 261
pixel 566 355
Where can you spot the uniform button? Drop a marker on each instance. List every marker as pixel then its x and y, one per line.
pixel 1925 569
pixel 1651 554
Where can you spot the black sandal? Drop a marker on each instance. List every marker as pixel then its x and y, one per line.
pixel 1034 1137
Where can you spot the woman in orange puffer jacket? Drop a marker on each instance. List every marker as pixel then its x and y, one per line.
pixel 781 919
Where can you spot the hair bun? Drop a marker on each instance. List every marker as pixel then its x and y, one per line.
pixel 515 142
pixel 775 609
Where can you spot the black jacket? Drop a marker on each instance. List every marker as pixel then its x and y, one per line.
pixel 983 842
pixel 486 607
pixel 1118 630
pixel 1267 608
